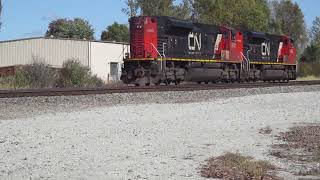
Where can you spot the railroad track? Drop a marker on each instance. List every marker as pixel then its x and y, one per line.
pixel 133 89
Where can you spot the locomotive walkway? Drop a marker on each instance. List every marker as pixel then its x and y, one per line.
pixel 133 89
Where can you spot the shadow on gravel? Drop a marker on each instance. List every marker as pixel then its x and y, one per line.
pixel 300 147
pixel 236 166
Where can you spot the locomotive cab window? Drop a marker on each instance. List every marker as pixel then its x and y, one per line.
pixel 233 36
pixel 225 35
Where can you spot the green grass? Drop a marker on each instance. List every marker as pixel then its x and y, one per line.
pixel 308 78
pixel 309 70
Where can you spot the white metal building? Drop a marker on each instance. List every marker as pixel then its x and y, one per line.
pixel 103 58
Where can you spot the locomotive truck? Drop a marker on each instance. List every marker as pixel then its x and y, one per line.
pixel 166 50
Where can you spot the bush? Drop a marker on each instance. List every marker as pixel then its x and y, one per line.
pixel 7 82
pixel 36 75
pixel 41 75
pixel 236 166
pixel 309 69
pixel 73 74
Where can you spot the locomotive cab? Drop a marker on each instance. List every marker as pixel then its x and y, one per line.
pixel 230 46
pixel 287 51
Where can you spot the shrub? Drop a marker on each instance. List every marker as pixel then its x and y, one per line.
pixel 36 75
pixel 309 69
pixel 73 74
pixel 7 82
pixel 41 75
pixel 236 166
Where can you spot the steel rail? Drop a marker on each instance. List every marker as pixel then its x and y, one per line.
pixel 133 89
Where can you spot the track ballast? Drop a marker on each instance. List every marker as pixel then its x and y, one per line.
pixel 133 89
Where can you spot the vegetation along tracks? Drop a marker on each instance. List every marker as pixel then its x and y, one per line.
pixel 133 89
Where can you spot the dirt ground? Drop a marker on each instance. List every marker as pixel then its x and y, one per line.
pixel 301 147
pixel 150 141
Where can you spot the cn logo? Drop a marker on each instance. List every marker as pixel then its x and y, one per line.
pixel 194 41
pixel 265 49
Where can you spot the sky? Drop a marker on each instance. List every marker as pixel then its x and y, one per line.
pixel 30 18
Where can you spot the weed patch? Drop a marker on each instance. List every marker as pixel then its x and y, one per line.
pixel 301 146
pixel 236 166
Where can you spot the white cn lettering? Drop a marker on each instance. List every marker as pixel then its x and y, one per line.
pixel 265 49
pixel 194 41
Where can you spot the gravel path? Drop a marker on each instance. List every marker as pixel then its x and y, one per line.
pixel 148 141
pixel 29 107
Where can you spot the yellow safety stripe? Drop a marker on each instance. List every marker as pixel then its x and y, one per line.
pixel 181 59
pixel 272 63
pixel 141 59
pixel 204 60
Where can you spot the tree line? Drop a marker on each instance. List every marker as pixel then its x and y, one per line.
pixel 272 16
pixel 78 28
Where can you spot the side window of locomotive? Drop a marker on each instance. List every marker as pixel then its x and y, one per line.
pixel 226 35
pixel 233 36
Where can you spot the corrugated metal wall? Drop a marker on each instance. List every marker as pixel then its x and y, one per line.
pixel 51 51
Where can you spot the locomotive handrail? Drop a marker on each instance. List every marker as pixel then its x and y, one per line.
pixel 247 61
pixel 164 55
pixel 156 49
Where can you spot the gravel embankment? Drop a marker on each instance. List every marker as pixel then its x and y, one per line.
pixel 32 106
pixel 149 140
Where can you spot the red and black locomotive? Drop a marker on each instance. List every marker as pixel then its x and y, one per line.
pixel 168 50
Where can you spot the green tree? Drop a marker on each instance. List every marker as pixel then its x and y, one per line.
pixel 116 32
pixel 158 8
pixel 312 52
pixel 131 8
pixel 150 7
pixel 184 10
pixel 288 18
pixel 244 14
pixel 315 31
pixel 71 29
